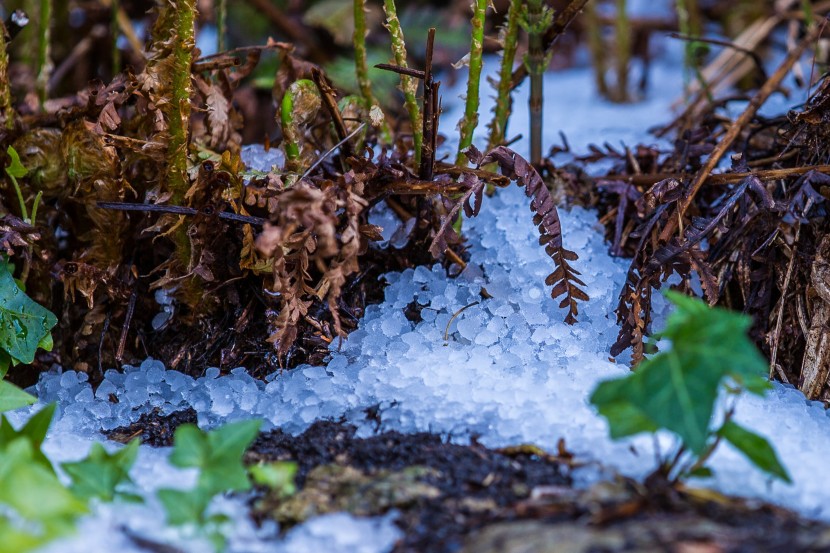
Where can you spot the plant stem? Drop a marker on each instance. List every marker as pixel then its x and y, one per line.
pixel 409 85
pixel 622 31
pixel 361 66
pixel 468 124
pixel 6 109
pixel 536 68
pixel 221 24
pixel 300 103
pixel 179 111
pixel 43 70
pixel 431 113
pixel 510 36
pixel 597 48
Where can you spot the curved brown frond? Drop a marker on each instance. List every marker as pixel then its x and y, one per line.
pixel 564 278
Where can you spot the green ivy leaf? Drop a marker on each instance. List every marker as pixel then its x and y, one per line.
pixel 34 491
pixel 101 473
pixel 755 448
pixel 12 397
pixel 24 324
pixel 677 389
pixel 702 472
pixel 217 454
pixel 185 506
pixel 191 447
pixel 15 168
pixel 34 431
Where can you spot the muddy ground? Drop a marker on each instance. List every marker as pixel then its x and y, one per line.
pixel 472 499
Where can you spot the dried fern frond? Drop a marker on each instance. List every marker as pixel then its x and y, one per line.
pixel 564 279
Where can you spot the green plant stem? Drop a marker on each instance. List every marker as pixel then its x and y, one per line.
pixel 504 102
pixel 536 66
pixel 6 109
pixel 179 111
pixel 409 85
pixel 597 48
pixel 289 134
pixel 221 24
pixel 24 213
pixel 469 122
pixel 688 19
pixel 43 70
pixel 361 66
pixel 622 31
pixel 299 104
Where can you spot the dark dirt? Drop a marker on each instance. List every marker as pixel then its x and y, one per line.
pixel 152 428
pixel 472 499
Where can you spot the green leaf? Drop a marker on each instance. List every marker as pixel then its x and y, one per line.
pixel 624 418
pixel 12 397
pixel 279 476
pixel 185 506
pixel 218 454
pixel 24 324
pixel 231 440
pixel 191 447
pixel 702 472
pixel 32 490
pixel 755 448
pixel 101 473
pixel 677 389
pixel 15 169
pixel 5 363
pixel 34 431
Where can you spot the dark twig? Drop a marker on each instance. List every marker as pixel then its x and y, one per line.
pixel 430 118
pixel 180 210
pixel 128 319
pixel 327 95
pixel 408 71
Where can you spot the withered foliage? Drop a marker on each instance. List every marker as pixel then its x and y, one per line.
pixel 748 239
pixel 236 267
pixel 564 279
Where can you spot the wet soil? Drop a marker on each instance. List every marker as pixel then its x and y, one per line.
pixel 472 499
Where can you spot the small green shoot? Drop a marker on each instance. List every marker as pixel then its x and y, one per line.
pixel 278 476
pixel 218 457
pixel 103 475
pixel 677 389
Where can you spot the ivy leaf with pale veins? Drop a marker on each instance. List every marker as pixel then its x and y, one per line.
pixel 23 323
pixel 677 389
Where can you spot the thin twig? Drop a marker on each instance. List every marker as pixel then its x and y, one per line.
pixel 454 315
pixel 181 210
pixel 332 149
pixel 327 95
pixel 718 179
pixel 430 118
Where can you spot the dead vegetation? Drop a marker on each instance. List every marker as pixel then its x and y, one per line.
pixel 153 239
